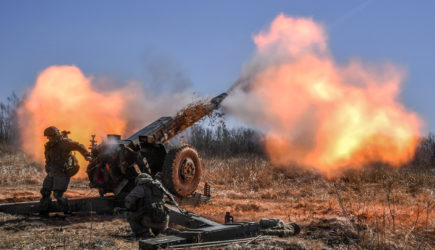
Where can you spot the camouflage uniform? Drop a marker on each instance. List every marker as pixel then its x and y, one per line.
pixel 57 153
pixel 146 206
pixel 272 226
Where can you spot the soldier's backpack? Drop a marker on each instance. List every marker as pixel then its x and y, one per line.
pixel 159 212
pixel 72 166
pixel 272 226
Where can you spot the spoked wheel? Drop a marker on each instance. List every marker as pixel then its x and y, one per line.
pixel 182 170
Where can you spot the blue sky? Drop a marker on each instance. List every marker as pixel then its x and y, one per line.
pixel 208 42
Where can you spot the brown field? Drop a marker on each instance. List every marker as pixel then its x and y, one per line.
pixel 373 208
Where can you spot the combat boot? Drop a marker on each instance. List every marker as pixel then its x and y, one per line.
pixel 44 214
pixel 62 202
pixel 144 235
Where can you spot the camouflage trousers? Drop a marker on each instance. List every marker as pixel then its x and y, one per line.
pixel 58 183
pixel 142 225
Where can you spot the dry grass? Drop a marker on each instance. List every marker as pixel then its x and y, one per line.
pixel 374 208
pixel 72 233
pixel 17 168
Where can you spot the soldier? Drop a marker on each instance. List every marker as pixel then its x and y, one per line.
pixel 57 155
pixel 146 207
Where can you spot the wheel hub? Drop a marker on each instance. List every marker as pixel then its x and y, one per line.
pixel 187 170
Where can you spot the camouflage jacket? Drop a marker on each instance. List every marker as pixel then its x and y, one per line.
pixel 57 153
pixel 147 198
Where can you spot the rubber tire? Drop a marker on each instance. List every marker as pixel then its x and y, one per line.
pixel 296 227
pixel 171 170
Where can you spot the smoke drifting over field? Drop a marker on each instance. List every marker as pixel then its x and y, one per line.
pixel 64 97
pixel 317 112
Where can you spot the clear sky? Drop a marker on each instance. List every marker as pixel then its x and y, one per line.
pixel 208 41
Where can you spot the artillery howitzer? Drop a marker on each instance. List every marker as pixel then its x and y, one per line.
pixel 180 171
pixel 117 161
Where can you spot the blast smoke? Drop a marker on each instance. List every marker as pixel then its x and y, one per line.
pixel 64 97
pixel 316 112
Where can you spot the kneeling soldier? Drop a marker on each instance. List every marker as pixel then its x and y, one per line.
pixel 146 207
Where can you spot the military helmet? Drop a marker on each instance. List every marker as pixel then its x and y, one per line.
pixel 143 178
pixel 51 131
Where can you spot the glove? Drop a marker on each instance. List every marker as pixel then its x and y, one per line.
pixel 88 157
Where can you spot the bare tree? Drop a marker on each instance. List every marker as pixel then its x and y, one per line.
pixel 8 120
pixel 222 141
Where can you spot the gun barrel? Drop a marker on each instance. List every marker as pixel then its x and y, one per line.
pixel 217 100
pixel 165 128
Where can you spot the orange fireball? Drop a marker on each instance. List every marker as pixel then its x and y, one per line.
pixel 316 112
pixel 63 97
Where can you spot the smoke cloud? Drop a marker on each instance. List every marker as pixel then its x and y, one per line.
pixel 64 97
pixel 319 113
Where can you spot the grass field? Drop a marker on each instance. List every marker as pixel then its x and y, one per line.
pixel 373 208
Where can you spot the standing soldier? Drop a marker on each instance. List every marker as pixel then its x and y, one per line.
pixel 146 207
pixel 58 157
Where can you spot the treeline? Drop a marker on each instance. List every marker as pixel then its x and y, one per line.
pixel 225 142
pixel 425 153
pixel 8 121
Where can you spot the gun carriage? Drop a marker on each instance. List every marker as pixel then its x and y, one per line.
pixel 116 162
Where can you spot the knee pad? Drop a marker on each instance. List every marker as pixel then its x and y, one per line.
pixel 58 195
